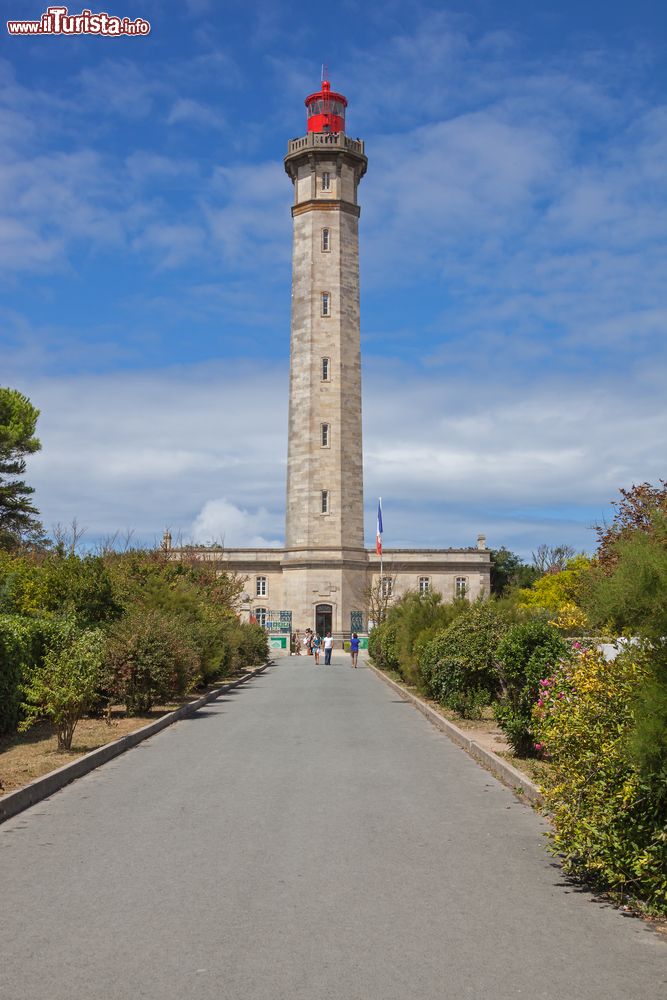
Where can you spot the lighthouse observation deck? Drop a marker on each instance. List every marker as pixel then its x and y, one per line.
pixel 336 140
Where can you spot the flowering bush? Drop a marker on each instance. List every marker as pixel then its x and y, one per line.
pixel 560 593
pixel 525 653
pixel 608 825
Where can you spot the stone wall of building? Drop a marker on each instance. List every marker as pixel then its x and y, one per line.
pixel 273 583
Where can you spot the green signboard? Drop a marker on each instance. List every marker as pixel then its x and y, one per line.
pixel 278 621
pixel 357 621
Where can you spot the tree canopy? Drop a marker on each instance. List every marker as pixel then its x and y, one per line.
pixel 18 420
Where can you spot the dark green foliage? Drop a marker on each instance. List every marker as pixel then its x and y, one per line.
pixel 508 571
pixel 178 629
pixel 469 703
pixel 458 666
pixel 148 661
pixel 409 625
pixel 60 585
pixel 628 591
pixel 417 619
pixel 648 742
pixel 18 420
pixel 526 654
pixel 80 587
pixel 19 649
pixel 631 593
pixel 382 645
pixel 65 683
pixel 250 646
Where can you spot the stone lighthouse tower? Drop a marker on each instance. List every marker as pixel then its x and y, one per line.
pixel 324 578
pixel 324 531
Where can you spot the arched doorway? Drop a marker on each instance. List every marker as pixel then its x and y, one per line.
pixel 323 618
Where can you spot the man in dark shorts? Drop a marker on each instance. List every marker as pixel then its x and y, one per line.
pixel 354 649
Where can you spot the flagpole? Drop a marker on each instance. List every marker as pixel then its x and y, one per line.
pixel 381 559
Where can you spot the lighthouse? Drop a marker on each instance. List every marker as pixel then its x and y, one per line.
pixel 324 509
pixel 323 578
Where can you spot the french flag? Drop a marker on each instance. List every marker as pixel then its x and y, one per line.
pixel 378 536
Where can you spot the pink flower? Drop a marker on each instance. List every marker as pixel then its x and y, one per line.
pixel 539 746
pixel 540 702
pixel 577 645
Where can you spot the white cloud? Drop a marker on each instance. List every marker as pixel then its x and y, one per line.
pixel 220 521
pixel 202 450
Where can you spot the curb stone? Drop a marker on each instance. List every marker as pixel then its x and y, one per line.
pixel 42 788
pixel 519 783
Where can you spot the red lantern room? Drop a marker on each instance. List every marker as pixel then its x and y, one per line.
pixel 326 110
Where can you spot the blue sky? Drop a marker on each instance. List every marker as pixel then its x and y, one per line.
pixel 513 265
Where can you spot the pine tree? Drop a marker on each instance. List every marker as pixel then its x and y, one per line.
pixel 18 419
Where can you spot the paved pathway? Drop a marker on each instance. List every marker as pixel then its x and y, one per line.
pixel 309 836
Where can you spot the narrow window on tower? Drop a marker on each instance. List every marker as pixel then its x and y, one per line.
pixel 260 586
pixel 326 303
pixel 324 501
pixel 325 435
pixel 326 241
pixel 424 584
pixel 326 181
pixel 461 588
pixel 325 369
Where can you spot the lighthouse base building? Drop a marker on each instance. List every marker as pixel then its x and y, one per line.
pixel 324 578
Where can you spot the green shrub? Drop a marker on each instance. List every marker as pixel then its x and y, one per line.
pixel 65 684
pixel 628 592
pixel 411 622
pixel 609 824
pixel 528 652
pixel 382 645
pixel 16 647
pixel 38 584
pixel 648 741
pixel 469 704
pixel 22 647
pixel 375 645
pixel 149 661
pixel 416 619
pixel 247 644
pixel 462 659
pixel 252 645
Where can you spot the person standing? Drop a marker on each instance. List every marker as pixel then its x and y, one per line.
pixel 317 642
pixel 354 649
pixel 328 647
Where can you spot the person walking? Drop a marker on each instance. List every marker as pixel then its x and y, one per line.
pixel 317 642
pixel 296 641
pixel 354 649
pixel 328 647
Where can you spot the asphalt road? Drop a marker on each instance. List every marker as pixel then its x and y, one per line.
pixel 309 836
